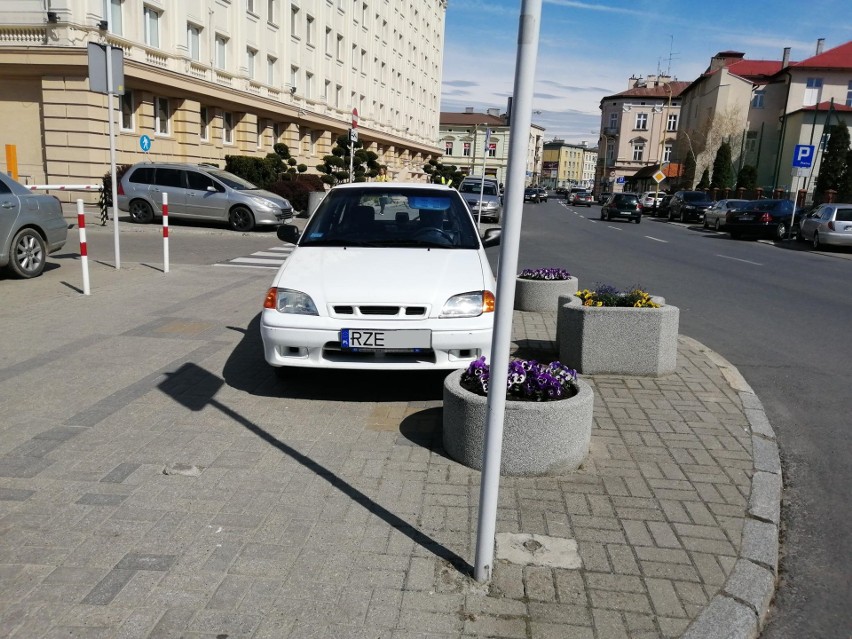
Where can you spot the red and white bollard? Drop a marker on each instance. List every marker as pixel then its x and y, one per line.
pixel 165 232
pixel 84 252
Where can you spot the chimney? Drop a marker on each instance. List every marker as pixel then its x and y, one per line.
pixel 820 45
pixel 493 111
pixel 785 60
pixel 468 109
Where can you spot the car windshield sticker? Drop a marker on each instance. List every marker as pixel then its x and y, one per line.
pixel 429 203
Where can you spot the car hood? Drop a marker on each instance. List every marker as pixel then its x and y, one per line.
pixel 269 195
pixel 338 275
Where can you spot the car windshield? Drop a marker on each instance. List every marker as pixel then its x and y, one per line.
pixel 470 187
pixel 695 196
pixel 626 199
pixel 234 181
pixel 392 217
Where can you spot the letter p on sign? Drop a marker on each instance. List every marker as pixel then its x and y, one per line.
pixel 803 156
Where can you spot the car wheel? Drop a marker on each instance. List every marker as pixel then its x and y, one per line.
pixel 241 219
pixel 27 254
pixel 781 231
pixel 141 212
pixel 671 216
pixel 816 243
pixel 706 225
pixel 735 235
pixel 718 225
pixel 637 220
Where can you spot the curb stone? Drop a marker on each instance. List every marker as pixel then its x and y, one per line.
pixel 740 608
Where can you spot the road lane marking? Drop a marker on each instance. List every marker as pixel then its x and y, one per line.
pixel 736 259
pixel 271 258
pixel 656 239
pixel 613 227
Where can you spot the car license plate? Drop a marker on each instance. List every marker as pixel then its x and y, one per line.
pixel 746 218
pixel 400 340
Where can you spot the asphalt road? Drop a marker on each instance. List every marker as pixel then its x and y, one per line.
pixel 780 313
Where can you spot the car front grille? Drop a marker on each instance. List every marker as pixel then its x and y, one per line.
pixel 379 311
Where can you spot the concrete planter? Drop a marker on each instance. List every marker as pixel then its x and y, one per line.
pixel 542 295
pixel 617 341
pixel 539 438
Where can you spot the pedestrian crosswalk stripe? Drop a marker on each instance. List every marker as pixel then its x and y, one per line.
pixel 271 258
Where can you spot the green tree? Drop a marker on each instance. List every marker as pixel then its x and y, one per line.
pixel 844 188
pixel 723 170
pixel 688 177
pixel 747 178
pixel 834 163
pixel 335 167
pixel 436 170
pixel 704 182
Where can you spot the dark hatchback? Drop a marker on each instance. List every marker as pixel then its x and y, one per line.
pixel 761 218
pixel 622 205
pixel 689 205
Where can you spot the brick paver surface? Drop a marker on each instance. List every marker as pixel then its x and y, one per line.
pixel 157 480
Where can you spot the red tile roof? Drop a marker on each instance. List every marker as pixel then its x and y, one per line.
pixel 825 106
pixel 652 91
pixel 755 70
pixel 837 58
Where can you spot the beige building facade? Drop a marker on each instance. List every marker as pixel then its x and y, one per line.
pixel 208 78
pixel 566 165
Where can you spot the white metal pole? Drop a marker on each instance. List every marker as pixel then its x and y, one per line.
pixel 84 251
pixel 528 32
pixel 482 183
pixel 165 232
pixel 111 130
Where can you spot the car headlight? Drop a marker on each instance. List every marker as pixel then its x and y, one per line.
pixel 286 300
pixel 263 202
pixel 472 304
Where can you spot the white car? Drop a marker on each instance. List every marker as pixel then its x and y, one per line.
pixel 649 198
pixel 407 286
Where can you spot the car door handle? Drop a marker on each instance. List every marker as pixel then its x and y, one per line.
pixel 7 205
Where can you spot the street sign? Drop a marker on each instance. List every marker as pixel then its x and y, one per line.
pixel 799 171
pixel 353 134
pixel 98 68
pixel 659 176
pixel 620 180
pixel 803 156
pixel 145 143
pixel 354 118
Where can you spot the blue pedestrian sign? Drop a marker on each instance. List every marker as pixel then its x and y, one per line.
pixel 145 143
pixel 803 156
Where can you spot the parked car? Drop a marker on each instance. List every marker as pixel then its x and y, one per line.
pixel 573 192
pixel 199 192
pixel 583 198
pixel 650 201
pixel 828 225
pixel 689 205
pixel 622 205
pixel 31 227
pixel 542 194
pixel 663 206
pixel 408 291
pixel 483 198
pixel 531 194
pixel 714 217
pixel 761 218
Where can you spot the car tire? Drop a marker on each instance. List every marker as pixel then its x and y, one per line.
pixel 705 225
pixel 718 225
pixel 780 232
pixel 735 235
pixel 815 242
pixel 603 215
pixel 28 254
pixel 241 219
pixel 671 216
pixel 141 212
pixel 637 220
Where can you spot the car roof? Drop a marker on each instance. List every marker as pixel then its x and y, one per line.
pixel 393 185
pixel 177 165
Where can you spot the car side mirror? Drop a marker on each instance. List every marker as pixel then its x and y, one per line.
pixel 211 189
pixel 288 233
pixel 491 237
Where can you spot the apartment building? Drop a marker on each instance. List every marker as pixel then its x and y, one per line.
pixel 208 78
pixel 638 129
pixel 480 141
pixel 565 165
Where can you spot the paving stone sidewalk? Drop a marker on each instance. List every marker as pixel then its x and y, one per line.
pixel 157 480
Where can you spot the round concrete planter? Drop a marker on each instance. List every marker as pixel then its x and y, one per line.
pixel 542 295
pixel 539 438
pixel 601 340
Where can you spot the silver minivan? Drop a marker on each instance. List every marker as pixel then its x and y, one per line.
pixel 199 192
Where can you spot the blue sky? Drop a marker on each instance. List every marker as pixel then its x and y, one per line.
pixel 588 50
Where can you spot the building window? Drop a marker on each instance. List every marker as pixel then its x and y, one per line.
pixel 751 142
pixel 339 48
pixel 161 116
pixel 251 55
pixel 294 21
pixel 492 149
pixel 327 91
pixel 250 6
pixel 270 70
pixel 126 102
pixel 757 98
pixel 309 85
pixel 448 148
pixel 641 121
pixel 849 94
pixel 193 41
pixel 667 152
pixel 328 41
pixel 272 11
pixel 309 30
pixel 671 123
pixel 221 51
pixel 204 124
pixel 227 127
pixel 338 96
pixel 613 120
pixel 354 57
pixel 638 151
pixel 116 21
pixel 294 79
pixel 813 91
pixel 152 27
pixel 466 150
pixel 363 61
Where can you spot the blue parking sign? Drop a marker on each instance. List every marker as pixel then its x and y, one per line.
pixel 803 156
